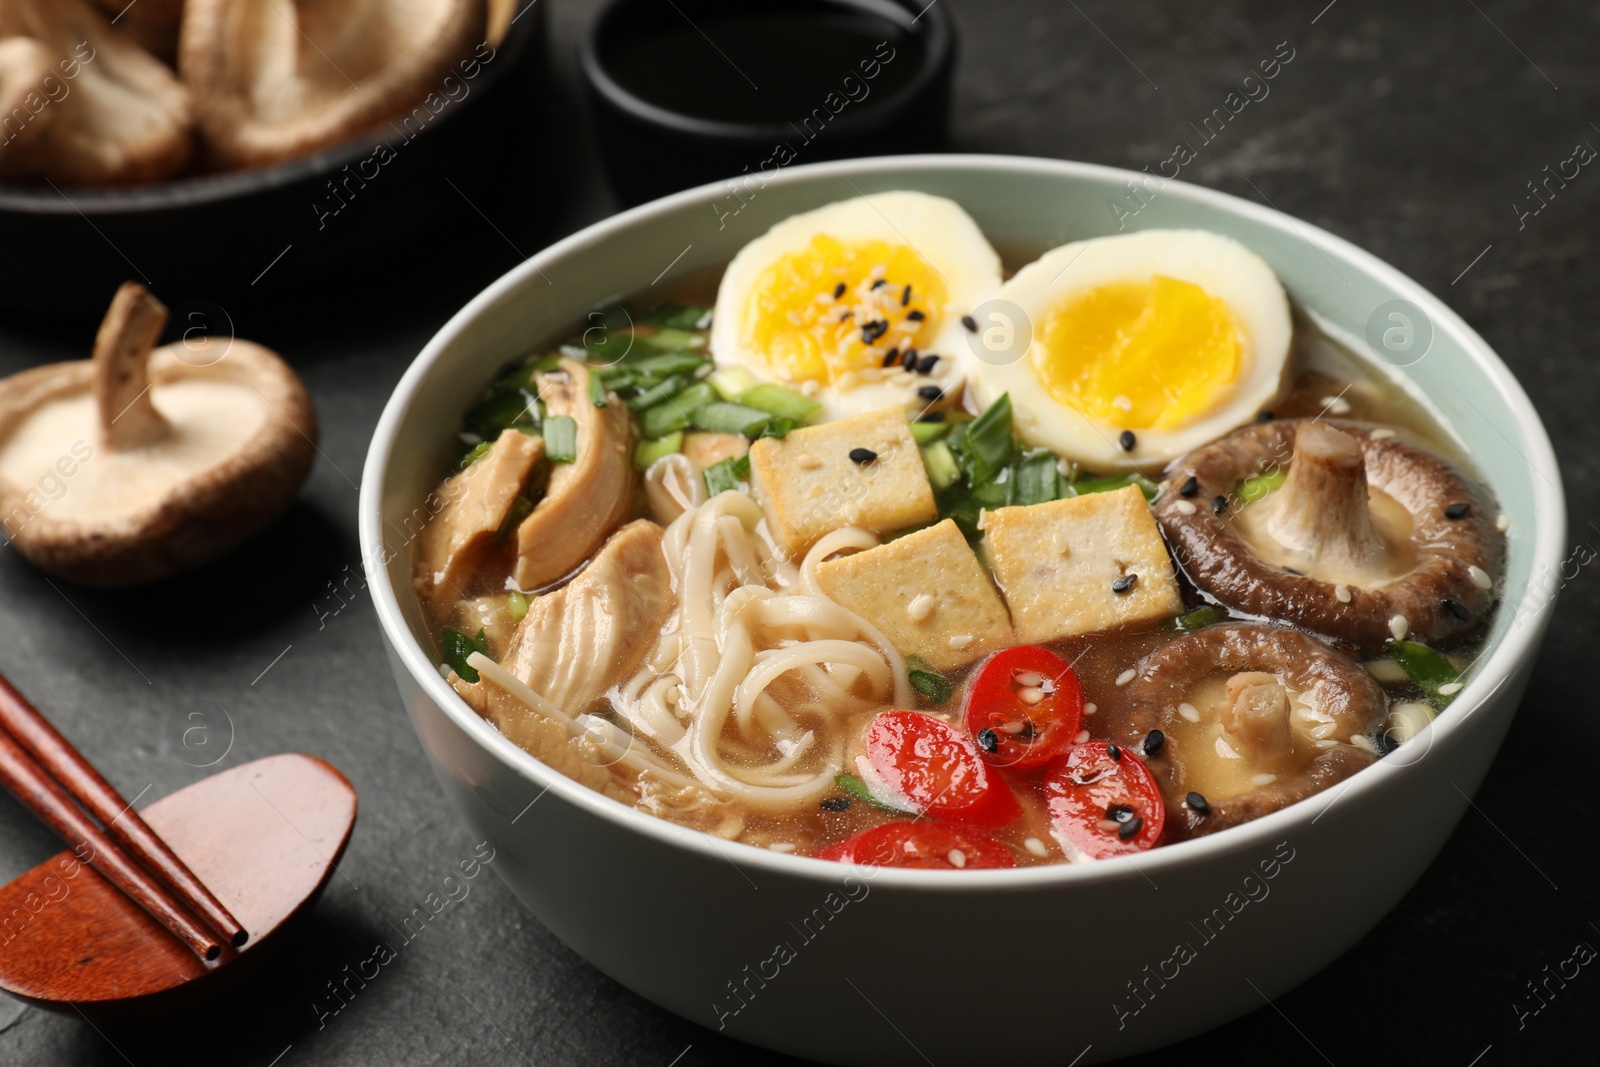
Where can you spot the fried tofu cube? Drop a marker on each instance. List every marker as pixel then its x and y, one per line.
pixel 927 592
pixel 1061 564
pixel 809 484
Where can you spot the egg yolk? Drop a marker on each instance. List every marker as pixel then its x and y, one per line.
pixel 1140 355
pixel 839 306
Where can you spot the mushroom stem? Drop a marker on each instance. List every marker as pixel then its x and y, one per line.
pixel 1322 509
pixel 128 334
pixel 1256 712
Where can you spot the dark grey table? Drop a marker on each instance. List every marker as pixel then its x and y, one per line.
pixel 1413 131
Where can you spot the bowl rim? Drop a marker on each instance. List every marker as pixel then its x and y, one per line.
pixel 1496 668
pixel 938 56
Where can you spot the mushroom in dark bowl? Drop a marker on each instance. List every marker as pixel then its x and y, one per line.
pixel 1368 538
pixel 1238 720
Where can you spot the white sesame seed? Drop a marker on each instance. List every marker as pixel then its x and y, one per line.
pixel 957 858
pixel 1189 712
pixel 1126 676
pixel 1343 593
pixel 1034 845
pixel 1263 779
pixel 1029 679
pixel 1328 742
pixel 1090 708
pixel 1030 695
pixel 1398 625
pixel 1082 736
pixel 1387 670
pixel 1183 507
pixel 809 387
pixel 1382 435
pixel 1450 689
pixel 1480 577
pixel 960 641
pixel 1503 523
pixel 781 846
pixel 807 462
pixel 1122 403
pixel 1015 726
pixel 921 607
pixel 1363 741
pixel 1336 405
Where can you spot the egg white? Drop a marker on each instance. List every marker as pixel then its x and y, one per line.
pixel 1221 266
pixel 936 228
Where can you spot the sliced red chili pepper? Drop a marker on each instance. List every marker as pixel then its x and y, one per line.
pixel 922 844
pixel 933 768
pixel 1103 802
pixel 1025 707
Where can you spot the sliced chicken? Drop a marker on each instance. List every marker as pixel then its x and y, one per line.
pixel 478 502
pixel 587 498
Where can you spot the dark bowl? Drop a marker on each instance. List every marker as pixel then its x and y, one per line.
pixel 240 235
pixel 653 145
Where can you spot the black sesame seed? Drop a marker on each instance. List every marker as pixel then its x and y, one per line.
pixel 1126 440
pixel 908 359
pixel 1125 583
pixel 905 296
pixel 1130 829
pixel 930 392
pixel 970 323
pixel 880 283
pixel 915 315
pixel 1458 609
pixel 1189 487
pixel 1265 416
pixel 891 357
pixel 1197 804
pixel 988 741
pixel 1154 742
pixel 1119 813
pixel 836 804
pixel 1457 511
pixel 1219 504
pixel 1114 752
pixel 1291 570
pixel 871 331
pixel 926 364
pixel 863 456
pixel 931 416
pixel 838 290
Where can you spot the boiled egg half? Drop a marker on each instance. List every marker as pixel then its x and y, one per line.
pixel 843 303
pixel 1144 346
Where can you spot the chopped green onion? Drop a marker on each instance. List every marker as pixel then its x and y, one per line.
pixel 677 316
pixel 1034 479
pixel 777 426
pixel 561 438
pixel 924 432
pixel 502 411
pixel 609 332
pixel 1085 486
pixel 1430 669
pixel 597 391
pixel 656 367
pixel 927 681
pixel 856 789
pixel 479 450
pixel 727 474
pixel 672 338
pixel 958 503
pixel 520 377
pixel 732 382
pixel 517 605
pixel 1204 615
pixel 777 400
pixel 673 412
pixel 941 465
pixel 1257 486
pixel 719 416
pixel 647 452
pixel 618 378
pixel 457 646
pixel 656 393
pixel 520 509
pixel 987 443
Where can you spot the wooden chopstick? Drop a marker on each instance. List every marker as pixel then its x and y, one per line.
pixel 59 760
pixel 41 795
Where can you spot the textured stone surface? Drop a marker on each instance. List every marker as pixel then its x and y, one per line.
pixel 1409 129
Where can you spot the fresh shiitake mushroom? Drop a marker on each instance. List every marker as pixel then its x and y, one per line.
pixel 276 79
pixel 102 110
pixel 1253 718
pixel 1369 538
pixel 143 462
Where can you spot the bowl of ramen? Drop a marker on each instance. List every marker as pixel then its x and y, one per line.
pixel 876 608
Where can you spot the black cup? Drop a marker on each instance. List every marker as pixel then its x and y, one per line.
pixel 685 92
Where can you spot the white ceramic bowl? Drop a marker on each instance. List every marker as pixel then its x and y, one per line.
pixel 861 966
